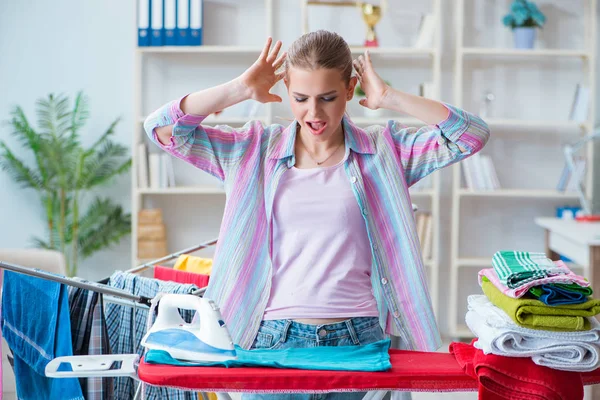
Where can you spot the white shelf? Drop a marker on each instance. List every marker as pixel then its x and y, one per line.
pixel 256 50
pixel 224 120
pixel 540 124
pixel 201 50
pixel 400 51
pixel 483 262
pixel 486 262
pixel 183 190
pixel 210 120
pixel 541 194
pixel 408 121
pixel 358 120
pixel 422 192
pixel 384 120
pixel 217 190
pixel 531 53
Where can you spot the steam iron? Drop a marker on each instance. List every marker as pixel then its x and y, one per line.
pixel 205 339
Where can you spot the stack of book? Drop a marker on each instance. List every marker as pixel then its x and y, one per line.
pixel 480 173
pixel 169 22
pixel 155 170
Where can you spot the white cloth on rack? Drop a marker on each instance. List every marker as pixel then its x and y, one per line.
pixel 498 334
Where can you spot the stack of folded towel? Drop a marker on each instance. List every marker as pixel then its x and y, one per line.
pixel 535 307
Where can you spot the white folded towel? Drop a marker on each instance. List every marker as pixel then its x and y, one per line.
pixel 498 334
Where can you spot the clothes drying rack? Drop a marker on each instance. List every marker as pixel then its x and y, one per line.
pixel 112 295
pixel 104 288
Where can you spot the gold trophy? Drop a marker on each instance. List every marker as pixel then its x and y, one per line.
pixel 371 15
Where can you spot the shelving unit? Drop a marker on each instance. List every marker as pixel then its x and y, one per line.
pixel 552 126
pixel 427 198
pixel 529 53
pixel 534 124
pixel 183 190
pixel 540 194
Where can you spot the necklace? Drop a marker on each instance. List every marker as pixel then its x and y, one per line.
pixel 321 162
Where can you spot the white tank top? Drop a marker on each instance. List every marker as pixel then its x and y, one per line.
pixel 321 253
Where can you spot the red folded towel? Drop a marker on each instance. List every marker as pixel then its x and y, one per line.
pixel 170 274
pixel 514 378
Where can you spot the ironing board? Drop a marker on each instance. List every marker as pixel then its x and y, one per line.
pixel 411 371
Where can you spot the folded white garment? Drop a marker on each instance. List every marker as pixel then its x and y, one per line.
pixel 498 334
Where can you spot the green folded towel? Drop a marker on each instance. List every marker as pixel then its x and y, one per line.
pixel 534 314
pixel 516 268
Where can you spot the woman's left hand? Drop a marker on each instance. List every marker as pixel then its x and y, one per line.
pixel 374 87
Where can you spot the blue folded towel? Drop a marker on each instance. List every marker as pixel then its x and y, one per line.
pixel 370 357
pixel 37 328
pixel 554 295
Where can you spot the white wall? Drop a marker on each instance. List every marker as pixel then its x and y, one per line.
pixel 68 45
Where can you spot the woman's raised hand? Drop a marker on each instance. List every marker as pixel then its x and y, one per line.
pixel 262 75
pixel 374 87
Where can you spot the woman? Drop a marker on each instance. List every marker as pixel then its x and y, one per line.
pixel 318 245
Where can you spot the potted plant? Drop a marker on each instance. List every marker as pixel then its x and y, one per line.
pixel 358 92
pixel 63 171
pixel 524 18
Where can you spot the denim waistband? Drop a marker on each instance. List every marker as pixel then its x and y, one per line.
pixel 337 329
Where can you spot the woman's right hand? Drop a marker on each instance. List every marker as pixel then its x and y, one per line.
pixel 262 75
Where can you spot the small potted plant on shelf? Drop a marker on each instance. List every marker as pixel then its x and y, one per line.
pixel 524 18
pixel 368 112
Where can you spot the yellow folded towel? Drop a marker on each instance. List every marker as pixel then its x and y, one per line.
pixel 194 264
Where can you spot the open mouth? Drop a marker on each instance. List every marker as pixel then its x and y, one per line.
pixel 316 127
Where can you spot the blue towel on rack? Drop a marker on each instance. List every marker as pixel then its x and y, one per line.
pixel 372 357
pixel 37 328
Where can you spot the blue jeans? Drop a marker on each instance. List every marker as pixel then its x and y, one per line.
pixel 285 334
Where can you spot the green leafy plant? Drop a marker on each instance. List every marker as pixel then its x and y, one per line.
pixel 360 93
pixel 524 13
pixel 64 172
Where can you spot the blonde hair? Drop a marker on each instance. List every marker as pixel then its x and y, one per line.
pixel 320 49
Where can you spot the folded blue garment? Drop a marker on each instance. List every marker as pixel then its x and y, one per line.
pixel 37 328
pixel 370 357
pixel 554 295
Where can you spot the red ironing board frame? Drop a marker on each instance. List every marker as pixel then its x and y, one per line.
pixel 411 371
